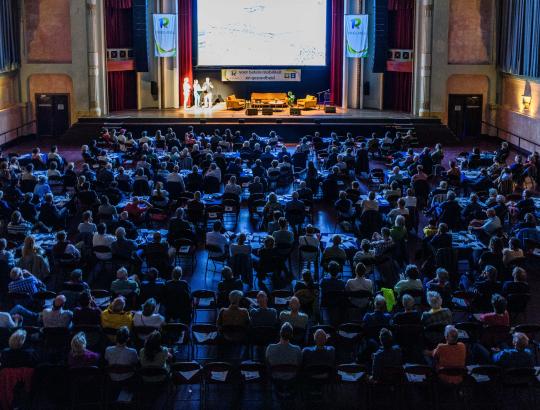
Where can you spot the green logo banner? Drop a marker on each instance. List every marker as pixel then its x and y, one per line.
pixel 356 35
pixel 165 35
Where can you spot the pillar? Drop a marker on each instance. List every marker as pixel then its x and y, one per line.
pixel 424 49
pixel 93 58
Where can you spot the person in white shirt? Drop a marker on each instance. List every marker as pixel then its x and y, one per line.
pixel 56 316
pixel 53 170
pixel 214 171
pixel 121 355
pixel 371 203
pixel 101 238
pixel 410 199
pixel 232 187
pixel 148 317
pixel 359 282
pixel 216 238
pixel 400 210
pixel 174 176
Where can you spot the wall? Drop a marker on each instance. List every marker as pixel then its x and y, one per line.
pixel 463 46
pixel 11 112
pixel 54 43
pixel 468 84
pixel 512 117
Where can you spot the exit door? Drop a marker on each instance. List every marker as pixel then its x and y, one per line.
pixel 465 115
pixel 52 114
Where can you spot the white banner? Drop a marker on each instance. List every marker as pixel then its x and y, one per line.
pixel 356 36
pixel 165 35
pixel 234 74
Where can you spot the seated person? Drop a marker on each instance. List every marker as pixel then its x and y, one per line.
pixel 293 316
pixel 137 208
pixel 232 187
pixel 334 252
pixel 437 315
pixel 283 236
pixel 409 315
pixel 499 316
pixel 518 284
pixel 152 286
pixel 114 317
pixel 449 354
pixel 233 315
pixel 87 313
pixel 411 280
pixel 320 354
pixel 388 355
pixel 261 314
pixel 379 316
pixel 79 355
pixel 217 239
pixel 331 284
pixel 121 355
pixel 148 316
pixel 283 352
pixel 18 353
pixel 123 248
pixel 359 283
pixel 124 285
pixel 227 285
pixel 382 242
pixel 56 316
pixel 487 227
pixel 442 239
pixel 154 355
pixel 513 251
pixel 516 357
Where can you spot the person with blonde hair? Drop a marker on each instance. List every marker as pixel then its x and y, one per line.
pixel 114 317
pixel 16 354
pixel 32 259
pixel 79 355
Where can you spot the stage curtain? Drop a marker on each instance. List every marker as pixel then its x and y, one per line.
pixel 185 42
pixel 519 38
pixel 122 90
pixel 9 36
pixel 119 23
pixel 398 85
pixel 336 52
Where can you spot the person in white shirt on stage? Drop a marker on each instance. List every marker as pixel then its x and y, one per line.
pixel 197 91
pixel 187 92
pixel 207 88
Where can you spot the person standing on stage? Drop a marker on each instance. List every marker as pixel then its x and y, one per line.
pixel 187 92
pixel 197 90
pixel 207 88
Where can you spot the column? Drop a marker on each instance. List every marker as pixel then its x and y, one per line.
pixel 169 75
pixel 93 58
pixel 423 70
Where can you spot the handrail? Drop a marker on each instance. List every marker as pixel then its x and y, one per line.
pixel 17 129
pixel 519 137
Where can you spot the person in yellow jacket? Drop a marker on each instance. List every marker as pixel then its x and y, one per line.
pixel 114 317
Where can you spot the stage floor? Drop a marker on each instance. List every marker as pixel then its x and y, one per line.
pixel 219 111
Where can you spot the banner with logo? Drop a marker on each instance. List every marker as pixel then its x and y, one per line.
pixel 233 74
pixel 165 35
pixel 356 35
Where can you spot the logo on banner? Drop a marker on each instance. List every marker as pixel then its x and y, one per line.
pixel 260 75
pixel 356 36
pixel 165 35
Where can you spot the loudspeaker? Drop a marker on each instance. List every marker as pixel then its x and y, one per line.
pixel 329 109
pixel 154 90
pixel 378 38
pixel 140 30
pixel 252 111
pixel 267 111
pixel 295 111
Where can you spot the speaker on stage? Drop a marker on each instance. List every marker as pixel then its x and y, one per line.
pixel 252 111
pixel 267 111
pixel 295 111
pixel 329 109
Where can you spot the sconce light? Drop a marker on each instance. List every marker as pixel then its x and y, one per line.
pixel 526 100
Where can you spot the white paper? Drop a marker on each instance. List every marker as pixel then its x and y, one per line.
pixel 350 377
pixel 347 335
pixel 250 375
pixel 189 375
pixel 462 334
pixel 219 376
pixel 204 337
pixel 415 378
pixel 281 301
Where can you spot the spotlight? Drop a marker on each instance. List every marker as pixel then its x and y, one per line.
pixel 526 100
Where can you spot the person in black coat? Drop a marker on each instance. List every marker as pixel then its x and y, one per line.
pixel 177 298
pixel 450 211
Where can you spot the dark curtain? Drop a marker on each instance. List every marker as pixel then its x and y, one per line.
pixel 519 37
pixel 185 41
pixel 119 23
pixel 9 36
pixel 122 90
pixel 398 85
pixel 336 52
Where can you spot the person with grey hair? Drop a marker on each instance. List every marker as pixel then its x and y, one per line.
pixel 17 354
pixel 517 356
pixel 452 353
pixel 320 354
pixel 122 247
pixel 284 352
pixel 124 285
pixel 42 187
pixel 379 316
pixel 409 315
pixel 437 315
pixel 485 228
pixel 234 315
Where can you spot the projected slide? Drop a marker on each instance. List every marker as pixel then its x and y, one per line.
pixel 261 32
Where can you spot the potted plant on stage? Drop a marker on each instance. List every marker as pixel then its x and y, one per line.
pixel 291 98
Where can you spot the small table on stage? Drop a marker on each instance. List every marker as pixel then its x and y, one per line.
pixel 274 105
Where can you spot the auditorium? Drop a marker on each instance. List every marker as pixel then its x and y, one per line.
pixel 269 204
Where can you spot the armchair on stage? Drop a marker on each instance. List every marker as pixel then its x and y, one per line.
pixel 309 102
pixel 234 103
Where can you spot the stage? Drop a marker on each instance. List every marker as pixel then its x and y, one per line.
pixel 290 127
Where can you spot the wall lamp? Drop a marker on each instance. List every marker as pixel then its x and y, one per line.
pixel 526 100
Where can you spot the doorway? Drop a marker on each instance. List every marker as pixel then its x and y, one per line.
pixel 52 114
pixel 465 114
